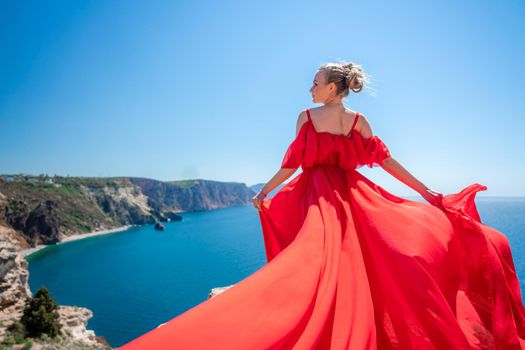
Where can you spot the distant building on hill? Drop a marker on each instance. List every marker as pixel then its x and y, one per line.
pixel 9 177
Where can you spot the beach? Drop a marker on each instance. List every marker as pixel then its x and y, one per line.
pixel 30 251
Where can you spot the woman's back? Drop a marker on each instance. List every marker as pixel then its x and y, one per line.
pixel 333 119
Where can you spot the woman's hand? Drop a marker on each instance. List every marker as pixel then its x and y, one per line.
pixel 433 197
pixel 257 199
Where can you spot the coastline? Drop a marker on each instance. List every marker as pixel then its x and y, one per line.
pixel 26 252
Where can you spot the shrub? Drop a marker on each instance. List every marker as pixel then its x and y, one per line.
pixel 40 315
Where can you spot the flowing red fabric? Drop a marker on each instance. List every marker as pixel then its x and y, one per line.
pixel 352 266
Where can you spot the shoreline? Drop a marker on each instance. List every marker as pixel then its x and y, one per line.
pixel 26 252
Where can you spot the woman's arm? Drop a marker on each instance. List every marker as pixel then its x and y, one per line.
pixel 390 164
pixel 394 168
pixel 282 174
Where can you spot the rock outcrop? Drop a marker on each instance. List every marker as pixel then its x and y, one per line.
pixel 14 292
pixel 218 290
pixel 14 277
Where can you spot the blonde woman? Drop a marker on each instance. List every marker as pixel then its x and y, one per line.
pixel 353 266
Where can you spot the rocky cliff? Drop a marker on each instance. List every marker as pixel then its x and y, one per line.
pixel 14 291
pixel 46 213
pixel 193 195
pixel 46 210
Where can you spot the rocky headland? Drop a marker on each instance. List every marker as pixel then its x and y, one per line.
pixel 36 211
pixel 47 210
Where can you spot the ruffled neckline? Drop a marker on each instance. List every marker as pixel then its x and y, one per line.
pixel 348 151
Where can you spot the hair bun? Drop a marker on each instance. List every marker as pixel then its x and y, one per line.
pixel 347 76
pixel 355 76
pixel 347 66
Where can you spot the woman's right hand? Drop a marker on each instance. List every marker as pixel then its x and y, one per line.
pixel 257 199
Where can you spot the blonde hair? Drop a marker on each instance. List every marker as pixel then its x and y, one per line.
pixel 346 76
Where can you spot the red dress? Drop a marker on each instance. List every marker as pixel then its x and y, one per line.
pixel 352 266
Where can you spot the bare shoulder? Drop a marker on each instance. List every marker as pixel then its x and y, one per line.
pixel 317 111
pixel 363 126
pixel 301 119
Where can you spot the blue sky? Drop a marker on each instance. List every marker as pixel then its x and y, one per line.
pixel 178 90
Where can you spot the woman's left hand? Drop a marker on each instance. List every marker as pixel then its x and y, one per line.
pixel 433 197
pixel 258 199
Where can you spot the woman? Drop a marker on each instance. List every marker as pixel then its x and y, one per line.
pixel 352 266
pixel 331 85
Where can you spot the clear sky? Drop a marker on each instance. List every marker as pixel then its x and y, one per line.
pixel 193 89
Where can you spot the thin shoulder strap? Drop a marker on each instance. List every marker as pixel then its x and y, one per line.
pixel 355 122
pixel 308 113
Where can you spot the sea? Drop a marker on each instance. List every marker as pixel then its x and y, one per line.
pixel 137 279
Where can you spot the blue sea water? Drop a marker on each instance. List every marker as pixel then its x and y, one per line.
pixel 135 280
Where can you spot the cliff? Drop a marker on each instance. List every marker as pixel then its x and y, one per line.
pixel 193 195
pixel 14 291
pixel 46 210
